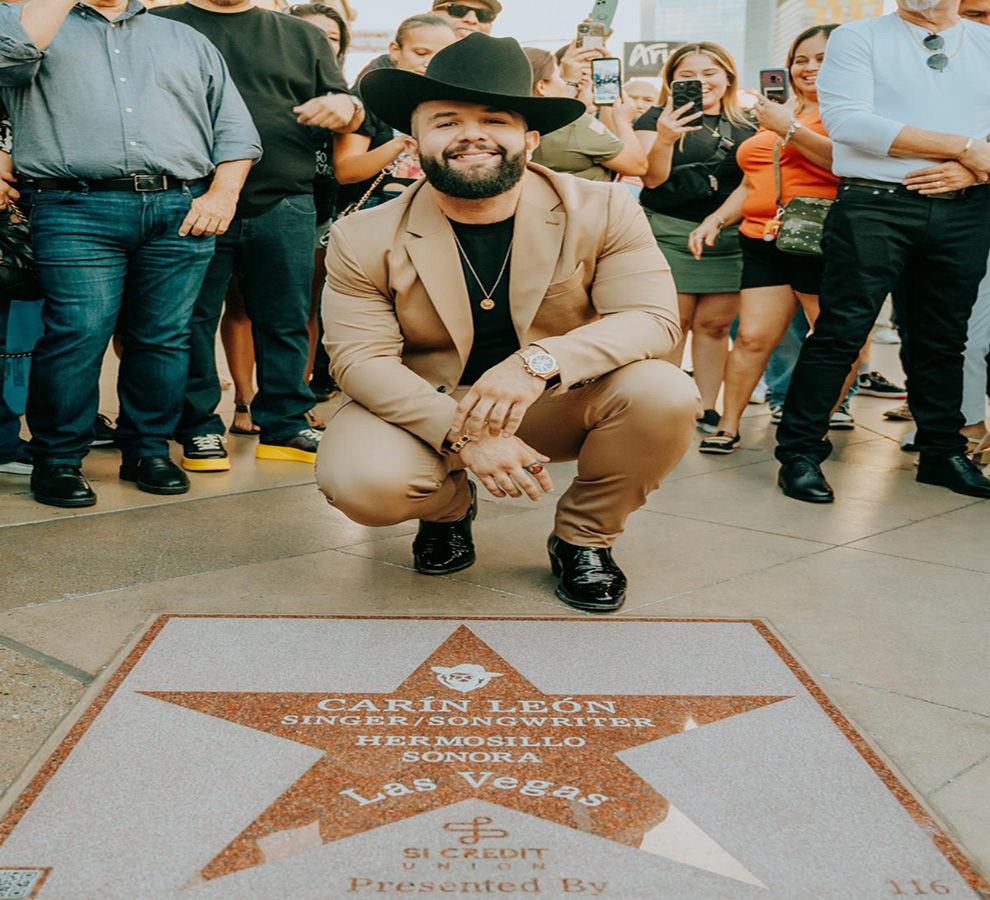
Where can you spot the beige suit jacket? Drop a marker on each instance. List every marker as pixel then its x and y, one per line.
pixel 587 283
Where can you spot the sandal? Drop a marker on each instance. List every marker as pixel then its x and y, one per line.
pixel 314 420
pixel 720 442
pixel 253 431
pixel 979 451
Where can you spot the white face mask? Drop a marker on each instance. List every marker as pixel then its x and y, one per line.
pixel 921 5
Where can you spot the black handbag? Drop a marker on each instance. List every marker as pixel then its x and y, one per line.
pixel 692 182
pixel 18 273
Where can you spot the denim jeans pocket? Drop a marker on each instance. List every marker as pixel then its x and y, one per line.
pixel 45 196
pixel 300 203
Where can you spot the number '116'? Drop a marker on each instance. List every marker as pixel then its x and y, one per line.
pixel 934 887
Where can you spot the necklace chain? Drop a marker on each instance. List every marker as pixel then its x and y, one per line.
pixel 487 302
pixel 920 42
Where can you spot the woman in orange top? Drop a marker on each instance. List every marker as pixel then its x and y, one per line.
pixel 773 282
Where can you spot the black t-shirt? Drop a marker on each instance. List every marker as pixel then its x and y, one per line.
pixel 699 146
pixel 379 62
pixel 487 246
pixel 277 62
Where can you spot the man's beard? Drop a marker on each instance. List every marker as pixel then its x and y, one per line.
pixel 479 185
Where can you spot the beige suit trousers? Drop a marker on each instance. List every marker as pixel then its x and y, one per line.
pixel 627 430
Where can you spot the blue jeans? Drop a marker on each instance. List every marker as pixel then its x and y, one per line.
pixel 272 255
pixel 11 445
pixel 784 359
pixel 102 256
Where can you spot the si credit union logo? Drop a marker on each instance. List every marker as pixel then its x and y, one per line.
pixel 475 831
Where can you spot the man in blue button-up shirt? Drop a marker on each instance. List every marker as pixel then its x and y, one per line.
pixel 134 144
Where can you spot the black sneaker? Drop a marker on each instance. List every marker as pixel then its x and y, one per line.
pixel 873 384
pixel 205 453
pixel 708 423
pixel 104 434
pixel 300 447
pixel 842 419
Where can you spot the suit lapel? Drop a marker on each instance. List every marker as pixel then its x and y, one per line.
pixel 438 265
pixel 538 236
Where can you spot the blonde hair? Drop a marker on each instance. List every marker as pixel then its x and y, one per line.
pixel 723 59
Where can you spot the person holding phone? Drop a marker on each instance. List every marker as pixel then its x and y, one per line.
pixel 774 283
pixel 588 148
pixel 691 171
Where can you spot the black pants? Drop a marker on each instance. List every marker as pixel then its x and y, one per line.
pixel 871 239
pixel 273 255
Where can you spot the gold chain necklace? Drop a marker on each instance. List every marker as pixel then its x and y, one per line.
pixel 487 302
pixel 936 59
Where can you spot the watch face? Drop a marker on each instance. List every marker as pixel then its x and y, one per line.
pixel 543 363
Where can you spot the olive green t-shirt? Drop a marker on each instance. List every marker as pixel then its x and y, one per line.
pixel 579 149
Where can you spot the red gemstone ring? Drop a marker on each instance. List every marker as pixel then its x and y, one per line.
pixel 534 468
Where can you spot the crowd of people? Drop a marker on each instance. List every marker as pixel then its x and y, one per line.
pixel 182 169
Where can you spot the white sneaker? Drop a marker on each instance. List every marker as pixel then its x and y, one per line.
pixel 776 414
pixel 842 419
pixel 17 467
pixel 759 394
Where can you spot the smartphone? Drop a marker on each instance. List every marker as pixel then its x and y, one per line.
pixel 606 80
pixel 591 34
pixel 773 84
pixel 604 12
pixel 684 92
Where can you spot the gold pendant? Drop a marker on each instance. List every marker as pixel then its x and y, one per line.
pixel 488 303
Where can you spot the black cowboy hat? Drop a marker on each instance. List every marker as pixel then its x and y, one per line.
pixel 476 69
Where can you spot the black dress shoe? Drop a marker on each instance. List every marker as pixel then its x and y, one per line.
pixel 958 473
pixel 802 479
pixel 441 548
pixel 589 578
pixel 155 475
pixel 61 486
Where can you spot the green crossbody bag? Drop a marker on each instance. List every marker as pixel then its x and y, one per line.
pixel 802 221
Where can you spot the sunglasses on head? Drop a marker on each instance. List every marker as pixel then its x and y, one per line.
pixel 460 11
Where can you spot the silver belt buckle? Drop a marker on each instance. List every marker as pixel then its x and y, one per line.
pixel 146 184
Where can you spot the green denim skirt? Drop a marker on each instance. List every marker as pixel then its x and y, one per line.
pixel 719 271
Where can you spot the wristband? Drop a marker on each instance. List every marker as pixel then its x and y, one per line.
pixel 794 126
pixel 721 221
pixel 965 150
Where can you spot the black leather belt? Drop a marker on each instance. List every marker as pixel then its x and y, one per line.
pixel 891 187
pixel 142 184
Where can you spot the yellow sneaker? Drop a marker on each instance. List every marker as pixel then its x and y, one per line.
pixel 300 447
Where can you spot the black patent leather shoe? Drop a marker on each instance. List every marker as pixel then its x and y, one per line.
pixel 802 479
pixel 442 548
pixel 589 578
pixel 61 486
pixel 958 473
pixel 155 475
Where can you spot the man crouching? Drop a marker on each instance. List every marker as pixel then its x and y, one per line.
pixel 496 317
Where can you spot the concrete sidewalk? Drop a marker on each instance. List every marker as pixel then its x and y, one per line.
pixel 883 594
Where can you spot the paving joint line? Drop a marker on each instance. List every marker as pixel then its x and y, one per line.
pixel 38 656
pixel 926 562
pixel 959 774
pixel 875 687
pixel 177 502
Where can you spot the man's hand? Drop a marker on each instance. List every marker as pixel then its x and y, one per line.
pixel 977 160
pixel 210 213
pixel 333 111
pixel 500 466
pixel 8 193
pixel 499 398
pixel 947 176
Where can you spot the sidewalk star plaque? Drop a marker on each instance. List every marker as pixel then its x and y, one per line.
pixel 323 758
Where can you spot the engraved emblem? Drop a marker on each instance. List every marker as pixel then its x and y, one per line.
pixel 465 677
pixel 475 830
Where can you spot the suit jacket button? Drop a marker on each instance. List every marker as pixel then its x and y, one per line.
pixel 442 389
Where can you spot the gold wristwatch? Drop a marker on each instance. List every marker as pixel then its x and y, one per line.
pixel 540 364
